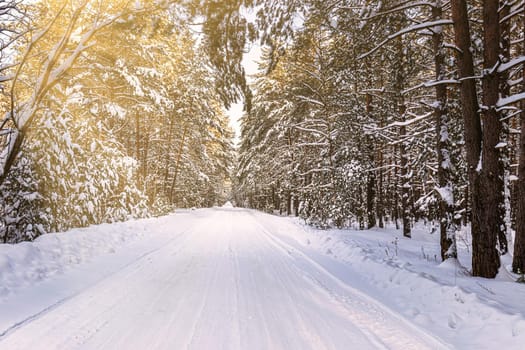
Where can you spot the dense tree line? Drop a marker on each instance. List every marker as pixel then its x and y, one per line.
pixel 111 111
pixel 363 113
pixel 394 111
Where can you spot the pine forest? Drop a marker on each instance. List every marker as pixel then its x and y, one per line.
pixel 361 114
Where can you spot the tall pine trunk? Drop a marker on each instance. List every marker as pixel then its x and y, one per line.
pixel 395 187
pixel 380 206
pixel 173 187
pixel 380 202
pixel 405 183
pixel 371 180
pixel 518 262
pixel 144 159
pixel 404 188
pixel 485 257
pixel 472 124
pixel 504 150
pixel 370 197
pixel 441 116
pixel 138 148
pixel 167 158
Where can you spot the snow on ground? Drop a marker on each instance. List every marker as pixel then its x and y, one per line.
pixel 37 276
pixel 408 276
pixel 27 263
pixel 228 278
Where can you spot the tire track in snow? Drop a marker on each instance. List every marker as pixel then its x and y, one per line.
pixel 235 262
pixel 228 283
pixel 296 316
pixel 307 316
pixel 222 270
pixel 375 328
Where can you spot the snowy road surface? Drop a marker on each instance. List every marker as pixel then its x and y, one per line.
pixel 220 279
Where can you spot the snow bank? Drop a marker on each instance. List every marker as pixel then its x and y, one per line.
pixel 26 263
pixel 404 274
pixel 228 204
pixel 408 276
pixel 38 276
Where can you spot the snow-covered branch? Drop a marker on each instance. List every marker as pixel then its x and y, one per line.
pixel 405 123
pixel 511 64
pixel 431 83
pixel 73 40
pixel 505 101
pixel 407 30
pixel 313 131
pixel 400 7
pixel 310 100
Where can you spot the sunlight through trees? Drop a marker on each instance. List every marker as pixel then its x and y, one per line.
pixel 363 113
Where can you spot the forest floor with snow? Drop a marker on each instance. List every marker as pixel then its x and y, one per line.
pixel 228 278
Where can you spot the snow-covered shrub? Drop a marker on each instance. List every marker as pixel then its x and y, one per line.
pixel 21 212
pixel 72 173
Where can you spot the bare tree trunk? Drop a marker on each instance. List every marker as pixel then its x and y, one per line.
pixel 485 257
pixel 472 131
pixel 168 154
pixel 380 203
pixel 144 162
pixel 514 149
pixel 395 193
pixel 289 203
pixel 12 154
pixel 504 150
pixel 399 83
pixel 446 190
pixel 177 164
pixel 380 200
pixel 467 205
pixel 137 147
pixel 370 196
pixel 518 262
pixel 405 184
pixel 371 181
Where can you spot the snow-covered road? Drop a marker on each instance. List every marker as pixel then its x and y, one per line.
pixel 220 279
